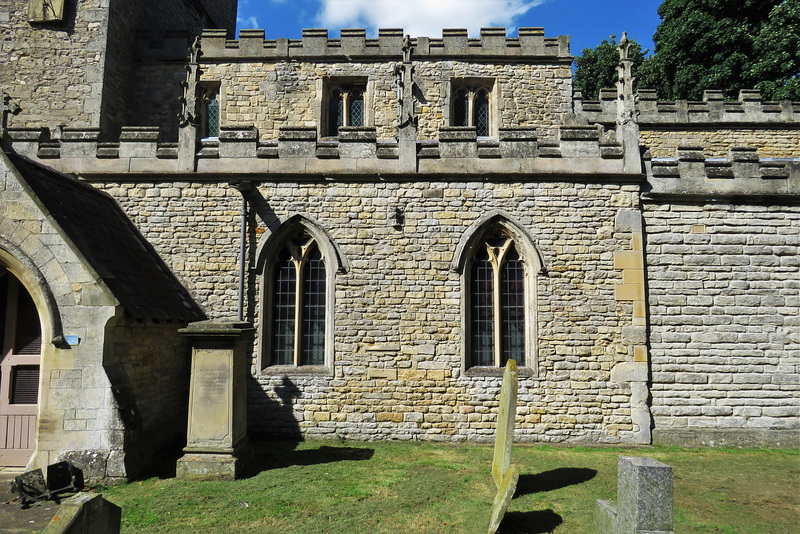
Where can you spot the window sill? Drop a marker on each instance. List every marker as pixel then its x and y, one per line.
pixel 291 370
pixel 523 372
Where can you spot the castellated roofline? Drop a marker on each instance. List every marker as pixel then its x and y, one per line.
pixel 580 151
pixel 749 109
pixel 529 45
pixel 741 174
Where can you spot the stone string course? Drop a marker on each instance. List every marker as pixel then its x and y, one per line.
pixel 724 299
pixel 397 370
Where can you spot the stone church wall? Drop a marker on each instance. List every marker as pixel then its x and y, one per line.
pixel 60 63
pixel 398 366
pixel 723 287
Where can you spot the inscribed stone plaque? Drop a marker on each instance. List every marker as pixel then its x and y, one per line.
pixel 504 439
pixel 210 398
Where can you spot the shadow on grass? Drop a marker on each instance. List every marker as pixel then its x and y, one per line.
pixel 278 454
pixel 538 522
pixel 553 480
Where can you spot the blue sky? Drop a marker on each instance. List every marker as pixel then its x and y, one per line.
pixel 588 22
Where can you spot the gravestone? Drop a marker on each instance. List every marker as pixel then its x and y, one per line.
pixel 504 474
pixel 216 437
pixel 644 499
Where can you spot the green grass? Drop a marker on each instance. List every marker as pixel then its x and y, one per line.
pixel 320 487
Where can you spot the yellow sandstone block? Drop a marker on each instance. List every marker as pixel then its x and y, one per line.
pixel 411 374
pixel 628 259
pixel 629 292
pixel 633 276
pixel 436 375
pixel 640 353
pixel 389 416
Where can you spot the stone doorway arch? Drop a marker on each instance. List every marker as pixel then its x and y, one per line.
pixel 20 355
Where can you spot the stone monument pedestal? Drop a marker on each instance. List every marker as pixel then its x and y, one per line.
pixel 216 437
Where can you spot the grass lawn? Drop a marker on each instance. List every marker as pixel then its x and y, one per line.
pixel 327 487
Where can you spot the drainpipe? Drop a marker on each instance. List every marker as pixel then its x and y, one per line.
pixel 243 187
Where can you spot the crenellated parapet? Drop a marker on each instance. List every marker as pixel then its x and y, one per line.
pixel 748 110
pixel 576 151
pixel 353 44
pixel 742 174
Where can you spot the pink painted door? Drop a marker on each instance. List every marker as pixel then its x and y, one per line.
pixel 20 345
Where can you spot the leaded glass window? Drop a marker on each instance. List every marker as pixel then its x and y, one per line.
pixel 471 107
pixel 497 303
pixel 356 104
pixel 346 107
pixel 211 113
pixel 298 304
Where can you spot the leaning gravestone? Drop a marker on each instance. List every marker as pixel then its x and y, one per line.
pixel 504 474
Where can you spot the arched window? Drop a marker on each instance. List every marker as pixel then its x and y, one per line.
pixel 497 303
pixel 299 263
pixel 298 280
pixel 499 265
pixel 471 107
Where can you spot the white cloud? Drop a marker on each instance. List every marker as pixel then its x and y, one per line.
pixel 249 23
pixel 423 17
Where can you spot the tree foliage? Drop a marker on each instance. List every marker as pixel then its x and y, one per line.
pixel 597 68
pixel 726 45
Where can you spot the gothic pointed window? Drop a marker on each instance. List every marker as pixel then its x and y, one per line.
pixel 471 106
pixel 497 303
pixel 299 304
pixel 297 282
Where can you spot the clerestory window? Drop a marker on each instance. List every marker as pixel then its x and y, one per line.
pixel 471 107
pixel 346 106
pixel 210 112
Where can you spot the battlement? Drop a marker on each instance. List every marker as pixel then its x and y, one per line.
pixel 578 151
pixel 353 44
pixel 742 173
pixel 712 110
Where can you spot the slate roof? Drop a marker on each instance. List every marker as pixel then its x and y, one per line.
pixel 113 246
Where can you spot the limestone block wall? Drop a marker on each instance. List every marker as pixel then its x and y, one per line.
pixel 54 71
pixel 274 94
pixel 398 373
pixel 271 95
pixel 194 227
pixel 147 364
pixel 770 143
pixel 524 95
pixel 724 308
pixel 156 97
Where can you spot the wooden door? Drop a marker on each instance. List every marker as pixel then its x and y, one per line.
pixel 20 345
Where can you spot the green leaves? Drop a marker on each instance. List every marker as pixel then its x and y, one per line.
pixel 597 68
pixel 727 45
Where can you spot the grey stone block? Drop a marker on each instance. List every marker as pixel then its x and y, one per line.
pixel 644 498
